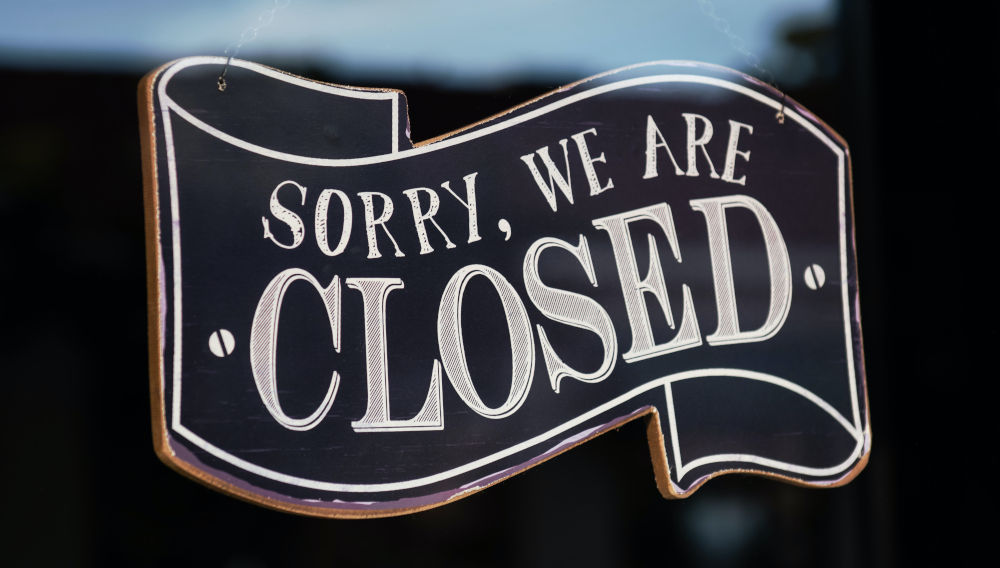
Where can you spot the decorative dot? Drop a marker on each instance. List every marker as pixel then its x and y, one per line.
pixel 815 277
pixel 221 343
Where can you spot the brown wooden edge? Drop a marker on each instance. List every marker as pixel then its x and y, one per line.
pixel 654 433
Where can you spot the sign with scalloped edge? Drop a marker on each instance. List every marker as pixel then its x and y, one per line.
pixel 347 324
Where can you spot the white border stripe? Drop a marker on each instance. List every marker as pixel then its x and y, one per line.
pixel 617 401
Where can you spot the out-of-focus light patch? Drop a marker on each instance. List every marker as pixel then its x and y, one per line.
pixel 462 42
pixel 722 528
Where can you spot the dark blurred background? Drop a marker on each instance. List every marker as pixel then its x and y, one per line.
pixel 911 88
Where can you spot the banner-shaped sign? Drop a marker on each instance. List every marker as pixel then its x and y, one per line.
pixel 346 324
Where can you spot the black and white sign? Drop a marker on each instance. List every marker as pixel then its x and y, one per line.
pixel 346 324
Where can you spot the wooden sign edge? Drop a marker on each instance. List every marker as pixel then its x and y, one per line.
pixel 657 447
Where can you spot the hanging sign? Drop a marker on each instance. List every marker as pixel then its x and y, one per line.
pixel 347 324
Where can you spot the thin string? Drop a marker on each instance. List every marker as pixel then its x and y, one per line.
pixel 264 19
pixel 722 26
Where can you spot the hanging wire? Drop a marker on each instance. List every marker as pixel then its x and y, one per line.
pixel 736 42
pixel 264 19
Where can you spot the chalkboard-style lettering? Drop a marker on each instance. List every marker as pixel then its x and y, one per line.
pixel 780 300
pixel 635 288
pixel 264 344
pixel 569 308
pixel 375 294
pixel 452 342
pixel 287 216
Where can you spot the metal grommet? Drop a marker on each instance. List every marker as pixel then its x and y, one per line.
pixel 222 76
